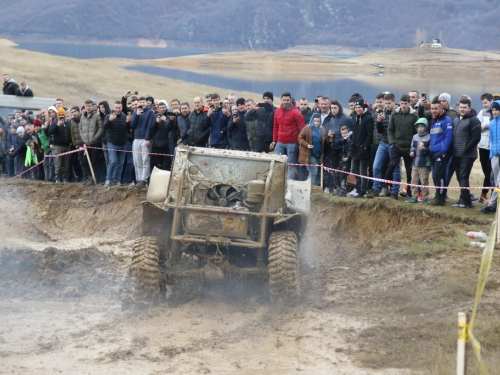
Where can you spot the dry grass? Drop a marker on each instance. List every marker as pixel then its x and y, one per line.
pixel 103 79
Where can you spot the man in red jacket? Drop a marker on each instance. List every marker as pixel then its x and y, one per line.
pixel 288 122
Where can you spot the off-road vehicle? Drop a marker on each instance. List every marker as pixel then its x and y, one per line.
pixel 220 214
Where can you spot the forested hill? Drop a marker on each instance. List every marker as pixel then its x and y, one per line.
pixel 258 24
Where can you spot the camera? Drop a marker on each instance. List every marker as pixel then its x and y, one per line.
pixel 136 92
pixel 113 112
pixel 140 107
pixel 424 95
pixel 168 113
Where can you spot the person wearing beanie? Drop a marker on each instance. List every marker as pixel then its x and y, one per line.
pixel 60 132
pixel 37 123
pixel 61 112
pixel 263 113
pixel 237 129
pixel 494 129
pixel 445 100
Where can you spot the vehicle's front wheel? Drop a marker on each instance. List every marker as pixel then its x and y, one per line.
pixel 146 276
pixel 283 267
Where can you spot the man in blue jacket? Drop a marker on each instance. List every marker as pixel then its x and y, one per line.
pixel 441 129
pixel 142 121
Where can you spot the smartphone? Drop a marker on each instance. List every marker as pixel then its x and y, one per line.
pixel 224 105
pixel 424 95
pixel 136 92
pixel 261 105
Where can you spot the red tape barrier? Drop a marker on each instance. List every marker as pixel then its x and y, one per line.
pixel 301 165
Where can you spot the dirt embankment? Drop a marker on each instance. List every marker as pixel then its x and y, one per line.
pixel 382 282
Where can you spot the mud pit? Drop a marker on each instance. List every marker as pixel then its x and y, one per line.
pixel 378 298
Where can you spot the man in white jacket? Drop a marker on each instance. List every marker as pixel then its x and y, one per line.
pixel 484 144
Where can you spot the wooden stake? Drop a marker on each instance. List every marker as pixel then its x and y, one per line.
pixel 90 164
pixel 463 329
pixel 321 184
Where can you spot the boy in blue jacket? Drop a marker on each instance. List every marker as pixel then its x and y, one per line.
pixel 421 153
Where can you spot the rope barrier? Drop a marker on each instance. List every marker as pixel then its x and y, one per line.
pixel 290 164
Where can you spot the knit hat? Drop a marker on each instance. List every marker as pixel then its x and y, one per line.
pixel 446 97
pixel 75 108
pixel 495 105
pixel 61 112
pixel 94 102
pixel 422 121
pixel 149 98
pixel 37 122
pixel 52 108
pixel 360 102
pixel 20 129
pixel 240 101
pixel 268 94
pixel 164 102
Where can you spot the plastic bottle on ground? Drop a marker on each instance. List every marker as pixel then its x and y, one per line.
pixel 477 235
pixel 477 244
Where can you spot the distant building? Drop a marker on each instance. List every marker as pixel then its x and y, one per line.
pixel 436 43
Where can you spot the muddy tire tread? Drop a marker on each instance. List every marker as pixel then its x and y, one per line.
pixel 283 267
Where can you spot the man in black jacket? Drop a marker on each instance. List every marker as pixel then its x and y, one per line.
pixel 60 132
pixel 198 133
pixel 9 85
pixel 362 138
pixel 264 114
pixel 24 90
pixel 466 136
pixel 161 129
pixel 116 125
pixel 237 127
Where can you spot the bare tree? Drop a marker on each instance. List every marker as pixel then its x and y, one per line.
pixel 418 37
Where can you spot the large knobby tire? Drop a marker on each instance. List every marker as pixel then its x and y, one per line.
pixel 283 267
pixel 146 275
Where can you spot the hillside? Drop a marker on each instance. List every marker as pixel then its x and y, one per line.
pixel 258 24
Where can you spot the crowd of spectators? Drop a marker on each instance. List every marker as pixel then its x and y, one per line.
pixel 128 138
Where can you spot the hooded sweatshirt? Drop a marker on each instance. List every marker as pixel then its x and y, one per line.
pixel 495 135
pixel 422 158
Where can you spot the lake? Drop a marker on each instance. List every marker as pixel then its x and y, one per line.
pixel 341 89
pixel 94 51
pixel 368 86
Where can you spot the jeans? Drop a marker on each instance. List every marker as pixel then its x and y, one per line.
pixel 291 150
pixel 360 166
pixel 141 159
pixel 396 155
pixel 380 164
pixel 129 164
pixel 116 157
pixel 484 158
pixel 463 166
pixel 495 167
pixel 313 171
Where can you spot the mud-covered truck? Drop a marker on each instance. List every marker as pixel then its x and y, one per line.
pixel 220 214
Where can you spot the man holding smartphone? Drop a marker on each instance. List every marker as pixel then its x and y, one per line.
pixel 141 123
pixel 263 113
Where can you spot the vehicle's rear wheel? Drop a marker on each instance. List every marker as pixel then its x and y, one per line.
pixel 283 267
pixel 146 276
